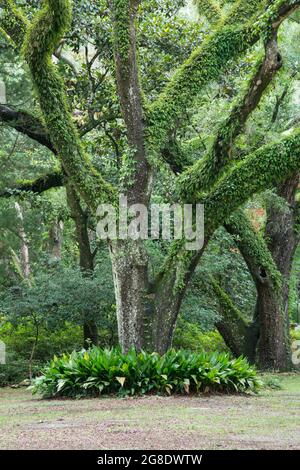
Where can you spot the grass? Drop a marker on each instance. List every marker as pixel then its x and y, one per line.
pixel 269 420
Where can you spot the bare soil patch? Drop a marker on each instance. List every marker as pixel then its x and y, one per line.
pixel 268 421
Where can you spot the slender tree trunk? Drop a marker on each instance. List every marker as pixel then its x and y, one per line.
pixel 55 239
pixel 24 250
pixel 86 259
pixel 167 304
pixel 239 335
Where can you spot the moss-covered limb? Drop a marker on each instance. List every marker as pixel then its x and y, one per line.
pixel 13 24
pixel 233 326
pixel 41 40
pixel 243 10
pixel 37 186
pixel 129 90
pixel 254 250
pixel 206 170
pixel 205 64
pixel 27 124
pixel 31 125
pixel 263 169
pixel 211 9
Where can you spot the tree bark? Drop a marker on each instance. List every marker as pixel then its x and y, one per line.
pixel 24 249
pixel 130 273
pixel 55 239
pixel 282 238
pixel 86 258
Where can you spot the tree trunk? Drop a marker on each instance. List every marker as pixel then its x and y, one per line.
pixel 24 250
pixel 55 239
pixel 86 259
pixel 239 335
pixel 282 238
pixel 273 344
pixel 130 274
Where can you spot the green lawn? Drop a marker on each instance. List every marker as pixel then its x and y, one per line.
pixel 267 421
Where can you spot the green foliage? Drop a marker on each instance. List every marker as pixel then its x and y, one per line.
pixel 41 40
pixel 16 370
pixel 101 372
pixel 59 295
pixel 19 339
pixel 295 334
pixel 189 336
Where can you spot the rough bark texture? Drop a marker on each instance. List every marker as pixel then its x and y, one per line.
pixel 282 238
pixel 130 273
pixel 129 258
pixel 24 249
pixel 239 335
pixel 55 239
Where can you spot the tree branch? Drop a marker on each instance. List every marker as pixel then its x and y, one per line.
pixel 42 39
pixel 128 84
pixel 13 23
pixel 27 124
pixel 205 64
pixel 254 250
pixel 37 186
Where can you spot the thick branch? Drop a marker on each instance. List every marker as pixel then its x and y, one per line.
pixel 41 41
pixel 206 64
pixel 254 250
pixel 124 19
pixel 27 124
pixel 13 23
pixel 205 171
pixel 37 186
pixel 263 169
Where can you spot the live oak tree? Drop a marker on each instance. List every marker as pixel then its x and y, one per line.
pixel 147 309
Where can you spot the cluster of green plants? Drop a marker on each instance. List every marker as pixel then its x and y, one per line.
pixel 98 371
pixel 190 336
pixel 25 356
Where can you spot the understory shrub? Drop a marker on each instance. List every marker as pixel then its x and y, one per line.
pixel 190 336
pixel 16 370
pixel 107 371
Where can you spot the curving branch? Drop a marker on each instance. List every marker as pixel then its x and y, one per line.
pixel 42 39
pixel 206 170
pixel 13 24
pixel 205 64
pixel 27 124
pixel 37 186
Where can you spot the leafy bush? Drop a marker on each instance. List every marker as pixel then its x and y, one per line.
pixel 20 338
pixel 295 334
pixel 190 336
pixel 108 371
pixel 16 370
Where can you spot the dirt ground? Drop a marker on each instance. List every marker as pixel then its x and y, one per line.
pixel 268 421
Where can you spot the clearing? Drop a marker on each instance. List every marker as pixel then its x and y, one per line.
pixel 267 421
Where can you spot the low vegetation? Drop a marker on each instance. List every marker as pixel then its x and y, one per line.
pixel 108 371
